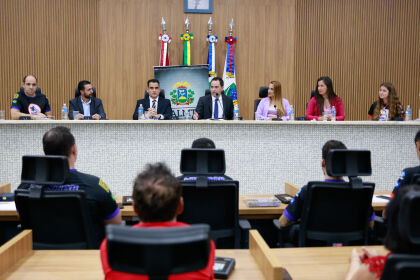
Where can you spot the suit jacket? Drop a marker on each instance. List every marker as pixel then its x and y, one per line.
pixel 163 107
pixel 205 107
pixel 96 107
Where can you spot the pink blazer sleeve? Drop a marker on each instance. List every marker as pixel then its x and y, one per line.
pixel 340 109
pixel 311 110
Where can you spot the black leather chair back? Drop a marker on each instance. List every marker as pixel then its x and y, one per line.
pixel 158 252
pixel 215 205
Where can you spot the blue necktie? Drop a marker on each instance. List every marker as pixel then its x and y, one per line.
pixel 216 109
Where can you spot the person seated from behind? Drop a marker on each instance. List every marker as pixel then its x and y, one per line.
pixel 103 209
pixel 368 264
pixel 387 106
pixel 408 173
pixel 320 106
pixel 157 199
pixel 274 105
pixel 293 211
pixel 203 143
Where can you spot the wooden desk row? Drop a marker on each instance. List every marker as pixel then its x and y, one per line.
pixel 245 212
pixel 19 261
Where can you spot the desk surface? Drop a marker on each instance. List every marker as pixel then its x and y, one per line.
pixel 318 263
pixel 245 212
pixel 301 263
pixel 86 264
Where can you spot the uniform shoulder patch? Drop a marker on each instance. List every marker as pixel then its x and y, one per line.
pixel 103 185
pixel 16 96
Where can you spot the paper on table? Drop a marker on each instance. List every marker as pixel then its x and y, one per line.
pixel 7 206
pixel 376 199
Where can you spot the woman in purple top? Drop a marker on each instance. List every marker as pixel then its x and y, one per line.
pixel 274 106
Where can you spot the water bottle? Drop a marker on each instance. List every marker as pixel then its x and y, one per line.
pixel 408 113
pixel 236 112
pixel 333 114
pixel 292 113
pixel 140 111
pixel 64 112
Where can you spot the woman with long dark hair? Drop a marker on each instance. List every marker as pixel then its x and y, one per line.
pixel 320 106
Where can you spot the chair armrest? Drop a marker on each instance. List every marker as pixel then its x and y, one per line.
pixel 244 224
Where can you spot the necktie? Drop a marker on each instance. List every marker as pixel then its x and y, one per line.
pixel 154 104
pixel 216 109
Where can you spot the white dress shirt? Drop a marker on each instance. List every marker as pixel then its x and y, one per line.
pixel 220 102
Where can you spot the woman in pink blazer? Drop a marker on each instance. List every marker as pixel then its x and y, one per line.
pixel 323 101
pixel 274 106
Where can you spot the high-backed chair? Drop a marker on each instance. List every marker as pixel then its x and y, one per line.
pixel 77 92
pixel 338 212
pixel 263 92
pixel 161 93
pixel 211 198
pixel 58 219
pixel 158 252
pixel 406 266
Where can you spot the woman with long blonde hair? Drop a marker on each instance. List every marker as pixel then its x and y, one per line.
pixel 274 105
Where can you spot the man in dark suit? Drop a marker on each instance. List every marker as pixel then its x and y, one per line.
pixel 86 103
pixel 155 107
pixel 214 106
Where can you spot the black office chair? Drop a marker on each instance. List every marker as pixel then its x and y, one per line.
pixel 58 219
pixel 161 93
pixel 262 94
pixel 338 213
pixel 212 199
pixel 158 252
pixel 77 92
pixel 405 266
pixel 415 180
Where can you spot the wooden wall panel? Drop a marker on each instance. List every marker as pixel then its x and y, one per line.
pixel 56 40
pixel 129 46
pixel 359 44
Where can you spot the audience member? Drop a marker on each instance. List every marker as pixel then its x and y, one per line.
pixel 30 103
pixel 102 206
pixel 203 143
pixel 320 106
pixel 214 106
pixel 389 107
pixel 293 211
pixel 86 103
pixel 155 107
pixel 408 173
pixel 157 198
pixel 274 106
pixel 368 264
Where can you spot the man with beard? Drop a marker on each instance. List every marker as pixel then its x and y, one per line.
pixel 86 103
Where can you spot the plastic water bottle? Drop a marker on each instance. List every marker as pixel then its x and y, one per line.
pixel 140 111
pixel 292 113
pixel 333 114
pixel 408 113
pixel 236 112
pixel 64 112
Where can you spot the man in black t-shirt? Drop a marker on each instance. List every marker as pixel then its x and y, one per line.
pixel 29 102
pixel 102 206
